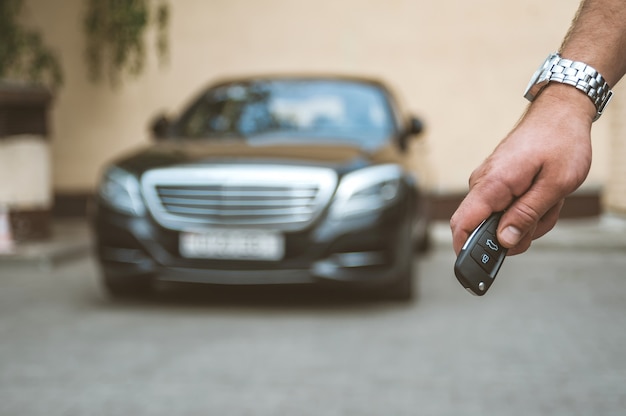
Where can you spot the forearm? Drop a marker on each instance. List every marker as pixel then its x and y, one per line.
pixel 598 38
pixel 548 154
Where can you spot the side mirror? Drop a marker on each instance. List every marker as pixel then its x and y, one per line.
pixel 414 127
pixel 160 127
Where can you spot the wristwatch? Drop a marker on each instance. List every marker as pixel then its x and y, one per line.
pixel 574 73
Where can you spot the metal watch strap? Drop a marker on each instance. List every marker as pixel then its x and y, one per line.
pixel 574 73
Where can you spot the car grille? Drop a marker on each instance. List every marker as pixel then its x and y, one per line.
pixel 284 198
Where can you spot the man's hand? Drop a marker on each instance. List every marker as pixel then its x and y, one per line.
pixel 545 158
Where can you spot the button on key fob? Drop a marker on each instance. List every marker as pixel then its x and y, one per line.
pixel 480 258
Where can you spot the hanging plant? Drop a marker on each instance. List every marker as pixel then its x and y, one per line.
pixel 116 31
pixel 23 54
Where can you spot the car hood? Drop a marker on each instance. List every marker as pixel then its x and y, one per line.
pixel 341 157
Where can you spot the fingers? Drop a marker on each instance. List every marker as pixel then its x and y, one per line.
pixel 527 217
pixel 523 245
pixel 545 224
pixel 522 235
pixel 532 214
pixel 494 185
pixel 546 157
pixel 475 208
pixel 548 221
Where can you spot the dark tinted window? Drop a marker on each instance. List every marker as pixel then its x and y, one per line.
pixel 298 109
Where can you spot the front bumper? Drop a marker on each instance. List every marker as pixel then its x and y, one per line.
pixel 369 250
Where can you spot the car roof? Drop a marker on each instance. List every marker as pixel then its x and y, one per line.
pixel 300 77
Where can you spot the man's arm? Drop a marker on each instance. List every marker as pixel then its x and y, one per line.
pixel 598 37
pixel 548 154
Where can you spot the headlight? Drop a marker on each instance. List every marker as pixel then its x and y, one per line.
pixel 366 190
pixel 120 190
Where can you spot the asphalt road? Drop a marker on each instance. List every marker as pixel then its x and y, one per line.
pixel 549 339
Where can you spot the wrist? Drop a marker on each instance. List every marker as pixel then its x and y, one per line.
pixel 568 100
pixel 576 74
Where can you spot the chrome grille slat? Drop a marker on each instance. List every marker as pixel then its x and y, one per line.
pixel 276 223
pixel 223 213
pixel 258 196
pixel 167 201
pixel 231 193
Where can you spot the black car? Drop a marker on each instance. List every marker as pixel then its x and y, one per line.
pixel 268 180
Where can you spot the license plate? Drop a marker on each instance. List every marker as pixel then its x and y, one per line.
pixel 232 244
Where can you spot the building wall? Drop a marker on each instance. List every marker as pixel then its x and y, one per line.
pixel 615 188
pixel 460 65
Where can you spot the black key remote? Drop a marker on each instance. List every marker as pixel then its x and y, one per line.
pixel 480 258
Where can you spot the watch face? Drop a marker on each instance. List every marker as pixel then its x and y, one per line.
pixel 537 81
pixel 532 82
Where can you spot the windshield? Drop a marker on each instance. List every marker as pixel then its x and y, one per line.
pixel 318 110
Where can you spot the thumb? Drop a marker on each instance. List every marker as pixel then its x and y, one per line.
pixel 525 213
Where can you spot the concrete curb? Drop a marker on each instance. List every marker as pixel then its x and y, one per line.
pixel 70 239
pixel 599 234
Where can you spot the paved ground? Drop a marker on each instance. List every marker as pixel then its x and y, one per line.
pixel 548 339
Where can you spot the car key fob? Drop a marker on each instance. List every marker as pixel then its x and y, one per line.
pixel 480 258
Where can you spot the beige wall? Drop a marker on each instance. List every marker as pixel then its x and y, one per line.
pixel 461 65
pixel 25 172
pixel 615 188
